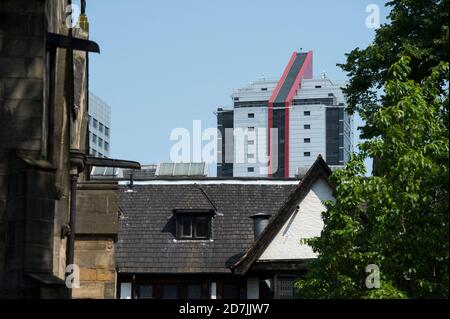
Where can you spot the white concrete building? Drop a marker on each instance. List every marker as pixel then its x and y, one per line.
pixel 306 118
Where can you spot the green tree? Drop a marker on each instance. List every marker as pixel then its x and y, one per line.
pixel 416 28
pixel 398 219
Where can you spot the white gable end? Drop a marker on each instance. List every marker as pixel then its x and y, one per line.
pixel 306 222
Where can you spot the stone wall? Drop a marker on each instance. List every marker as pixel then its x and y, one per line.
pixel 95 257
pixel 37 130
pixel 96 229
pixel 28 169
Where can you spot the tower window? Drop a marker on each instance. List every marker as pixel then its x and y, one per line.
pixel 307 140
pixel 307 126
pixel 251 115
pixel 307 154
pixel 307 113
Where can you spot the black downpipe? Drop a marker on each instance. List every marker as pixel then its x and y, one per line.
pixel 73 214
pixel 70 247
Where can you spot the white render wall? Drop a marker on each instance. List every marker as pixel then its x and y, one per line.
pixel 242 148
pixel 297 134
pixel 304 223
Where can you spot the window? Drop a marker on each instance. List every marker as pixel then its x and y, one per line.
pixel 100 142
pixel 194 291
pixel 307 154
pixel 230 291
pixel 106 131
pixel 286 288
pixel 100 127
pixel 95 123
pixel 307 113
pixel 251 128
pixel 193 226
pixel 307 140
pixel 250 169
pixel 94 138
pixel 201 227
pixel 186 227
pixel 125 290
pixel 251 142
pixel 307 126
pixel 89 119
pixel 169 291
pixel 106 146
pixel 145 291
pixel 250 155
pixel 251 115
pixel 318 86
pixel 263 89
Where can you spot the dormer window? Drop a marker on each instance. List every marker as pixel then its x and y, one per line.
pixel 193 224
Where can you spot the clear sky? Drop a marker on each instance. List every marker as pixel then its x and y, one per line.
pixel 164 64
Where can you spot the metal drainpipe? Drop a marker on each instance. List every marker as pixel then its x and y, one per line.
pixel 70 248
pixel 73 175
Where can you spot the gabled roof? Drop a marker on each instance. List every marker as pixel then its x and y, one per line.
pixel 146 239
pixel 317 170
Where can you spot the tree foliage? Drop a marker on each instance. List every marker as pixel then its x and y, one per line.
pixel 416 28
pixel 398 219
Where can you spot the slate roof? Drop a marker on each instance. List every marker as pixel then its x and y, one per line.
pixel 146 240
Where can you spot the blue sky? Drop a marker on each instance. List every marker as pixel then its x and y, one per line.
pixel 164 64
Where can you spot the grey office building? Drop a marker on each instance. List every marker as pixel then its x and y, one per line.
pixel 280 126
pixel 99 127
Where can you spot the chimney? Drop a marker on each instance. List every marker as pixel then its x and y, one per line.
pixel 260 221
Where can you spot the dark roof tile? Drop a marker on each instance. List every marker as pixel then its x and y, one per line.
pixel 147 225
